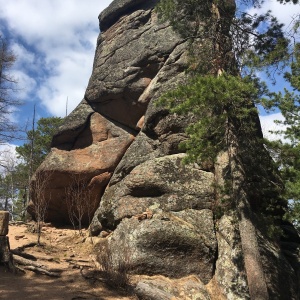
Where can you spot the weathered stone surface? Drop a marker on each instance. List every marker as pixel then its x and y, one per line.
pixel 4 220
pixel 72 127
pixel 171 244
pixel 143 149
pixel 161 132
pixel 152 291
pixel 281 276
pixel 5 255
pixel 118 8
pixel 162 288
pixel 137 58
pixel 96 152
pixel 136 48
pixel 230 273
pixel 158 184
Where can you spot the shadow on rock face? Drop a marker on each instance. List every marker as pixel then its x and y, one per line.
pixel 171 244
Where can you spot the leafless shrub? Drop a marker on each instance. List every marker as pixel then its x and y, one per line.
pixel 41 199
pixel 115 269
pixel 79 202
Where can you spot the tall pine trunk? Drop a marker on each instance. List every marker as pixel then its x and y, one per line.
pixel 252 259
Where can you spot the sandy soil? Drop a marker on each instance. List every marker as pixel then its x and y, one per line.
pixel 63 250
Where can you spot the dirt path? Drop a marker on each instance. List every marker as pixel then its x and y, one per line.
pixel 64 251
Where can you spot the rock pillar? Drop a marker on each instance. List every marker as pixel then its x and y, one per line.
pixel 5 255
pixel 4 219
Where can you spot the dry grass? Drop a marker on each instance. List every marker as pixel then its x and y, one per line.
pixel 115 269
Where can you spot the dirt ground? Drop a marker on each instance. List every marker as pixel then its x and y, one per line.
pixel 66 253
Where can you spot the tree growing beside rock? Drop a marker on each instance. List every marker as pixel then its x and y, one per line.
pixel 223 103
pixel 286 151
pixel 32 153
pixel 42 136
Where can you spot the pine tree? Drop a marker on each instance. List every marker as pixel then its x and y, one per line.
pixel 42 136
pixel 224 102
pixel 32 153
pixel 286 153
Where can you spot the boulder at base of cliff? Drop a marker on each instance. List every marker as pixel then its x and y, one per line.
pixel 170 244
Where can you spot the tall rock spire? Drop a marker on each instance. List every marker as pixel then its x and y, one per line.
pixel 125 150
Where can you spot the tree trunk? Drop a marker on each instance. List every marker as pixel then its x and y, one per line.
pixel 6 203
pixel 41 271
pixel 254 270
pixel 255 275
pixel 26 262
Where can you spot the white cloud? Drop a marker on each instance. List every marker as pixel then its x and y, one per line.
pixel 51 21
pixel 267 125
pixel 22 54
pixel 26 84
pixel 55 42
pixel 8 157
pixel 69 80
pixel 283 12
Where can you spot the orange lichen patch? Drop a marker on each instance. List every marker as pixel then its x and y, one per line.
pixel 215 291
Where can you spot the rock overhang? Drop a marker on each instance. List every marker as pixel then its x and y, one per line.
pixel 118 8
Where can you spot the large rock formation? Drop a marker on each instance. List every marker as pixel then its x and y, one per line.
pixel 136 58
pixel 125 148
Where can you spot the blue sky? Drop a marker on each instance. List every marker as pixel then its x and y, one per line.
pixel 285 14
pixel 55 41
